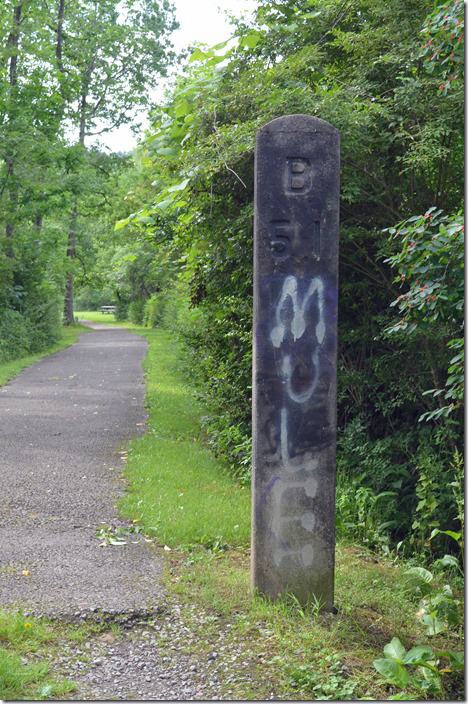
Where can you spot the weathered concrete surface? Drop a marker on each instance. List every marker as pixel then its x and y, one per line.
pixel 62 424
pixel 294 360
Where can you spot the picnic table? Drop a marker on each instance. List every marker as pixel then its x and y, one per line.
pixel 108 309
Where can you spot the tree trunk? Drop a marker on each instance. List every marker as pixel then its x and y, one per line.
pixel 71 251
pixel 13 46
pixel 69 317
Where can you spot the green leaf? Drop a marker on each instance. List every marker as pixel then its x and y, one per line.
pixel 46 691
pixel 180 186
pixel 221 45
pixel 448 561
pixel 402 696
pixel 311 15
pixel 395 649
pixel 199 55
pixel 432 677
pixel 450 533
pixel 416 655
pixel 215 60
pixel 182 109
pixel 168 151
pixel 385 493
pixel 392 671
pixel 433 624
pixel 186 218
pixel 457 659
pixel 250 40
pixel 121 223
pixel 422 573
pixel 164 204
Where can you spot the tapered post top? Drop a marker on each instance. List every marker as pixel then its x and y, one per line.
pixel 298 123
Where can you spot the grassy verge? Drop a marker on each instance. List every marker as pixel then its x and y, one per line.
pixel 177 489
pixel 178 492
pixel 8 370
pixel 24 671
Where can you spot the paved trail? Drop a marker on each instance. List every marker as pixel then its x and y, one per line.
pixel 62 424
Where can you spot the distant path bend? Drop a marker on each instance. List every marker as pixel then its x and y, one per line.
pixel 62 424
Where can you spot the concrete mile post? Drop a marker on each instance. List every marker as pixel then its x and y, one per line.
pixel 294 358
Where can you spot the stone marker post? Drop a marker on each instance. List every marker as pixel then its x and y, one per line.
pixel 294 363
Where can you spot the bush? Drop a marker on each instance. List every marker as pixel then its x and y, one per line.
pixel 15 335
pixel 154 310
pixel 136 311
pixel 217 361
pixel 121 311
pixel 31 331
pixel 46 323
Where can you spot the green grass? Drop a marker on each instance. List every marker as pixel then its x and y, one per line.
pixel 95 316
pixel 8 370
pixel 177 489
pixel 20 639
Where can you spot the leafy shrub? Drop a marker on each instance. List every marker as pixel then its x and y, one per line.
pixel 418 670
pixel 363 515
pixel 30 331
pixel 121 310
pixel 431 263
pixel 15 335
pixel 439 610
pixel 217 361
pixel 46 320
pixel 136 311
pixel 154 310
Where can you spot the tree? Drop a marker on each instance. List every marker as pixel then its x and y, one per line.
pixel 432 258
pixel 108 61
pixel 358 66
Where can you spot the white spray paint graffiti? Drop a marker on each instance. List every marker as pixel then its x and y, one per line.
pixel 306 554
pixel 298 323
pixel 298 326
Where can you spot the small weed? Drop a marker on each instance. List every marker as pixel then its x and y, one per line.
pixel 115 629
pixel 78 635
pixel 326 679
pixel 417 670
pixel 310 610
pixel 439 610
